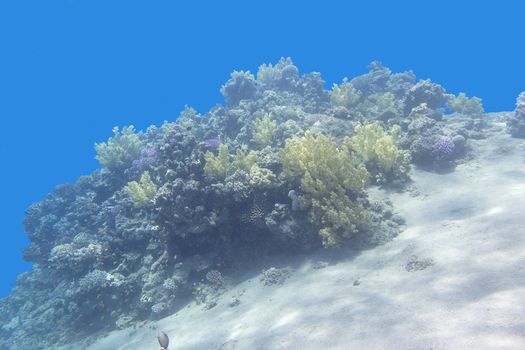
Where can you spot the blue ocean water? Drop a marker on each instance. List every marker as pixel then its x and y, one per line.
pixel 71 70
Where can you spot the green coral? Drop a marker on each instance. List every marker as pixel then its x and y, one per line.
pixel 243 160
pixel 269 74
pixel 217 165
pixel 464 105
pixel 261 177
pixel 331 179
pixel 345 94
pixel 143 192
pixel 263 130
pixel 223 164
pixel 120 150
pixel 188 119
pixel 378 150
pixel 384 101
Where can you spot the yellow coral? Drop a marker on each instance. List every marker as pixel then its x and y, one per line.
pixel 261 177
pixel 217 165
pixel 462 104
pixel 223 164
pixel 328 174
pixel 243 161
pixel 142 192
pixel 264 130
pixel 267 73
pixel 383 101
pixel 378 150
pixel 345 94
pixel 120 150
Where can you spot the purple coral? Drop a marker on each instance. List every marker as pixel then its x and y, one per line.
pixel 148 156
pixel 443 149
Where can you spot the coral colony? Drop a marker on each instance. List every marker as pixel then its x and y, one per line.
pixel 442 149
pixel 173 207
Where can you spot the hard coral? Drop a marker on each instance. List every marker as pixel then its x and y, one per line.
pixel 443 149
pixel 516 123
pixel 464 105
pixel 330 180
pixel 383 159
pixel 241 86
pixel 282 75
pixel 427 92
pixel 119 151
pixel 141 192
pixel 264 130
pixel 223 164
pixel 217 165
pixel 345 94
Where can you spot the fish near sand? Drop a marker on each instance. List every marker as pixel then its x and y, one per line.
pixel 163 339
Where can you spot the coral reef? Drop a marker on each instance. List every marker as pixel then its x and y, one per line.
pixel 282 166
pixel 241 86
pixel 464 105
pixel 142 192
pixel 423 130
pixel 283 75
pixel 264 130
pixel 516 122
pixel 120 150
pixel 330 180
pixel 223 164
pixel 275 276
pixel 377 149
pixel 345 94
pixel 427 92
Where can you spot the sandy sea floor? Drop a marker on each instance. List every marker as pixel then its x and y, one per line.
pixel 453 279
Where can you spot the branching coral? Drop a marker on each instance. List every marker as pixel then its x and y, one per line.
pixel 142 192
pixel 217 165
pixel 424 91
pixel 516 122
pixel 261 177
pixel 119 152
pixel 464 105
pixel 281 75
pixel 443 149
pixel 331 179
pixel 223 164
pixel 383 101
pixel 378 106
pixel 243 160
pixel 263 130
pixel 377 149
pixel 241 86
pixel 345 94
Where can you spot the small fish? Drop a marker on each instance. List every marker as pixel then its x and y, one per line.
pixel 163 339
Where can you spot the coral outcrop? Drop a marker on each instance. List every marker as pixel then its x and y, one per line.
pixel 283 165
pixel 516 122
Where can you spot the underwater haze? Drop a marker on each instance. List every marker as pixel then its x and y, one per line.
pixel 273 175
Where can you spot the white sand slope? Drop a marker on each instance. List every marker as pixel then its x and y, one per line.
pixel 464 247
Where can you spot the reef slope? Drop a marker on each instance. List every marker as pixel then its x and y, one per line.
pixel 453 279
